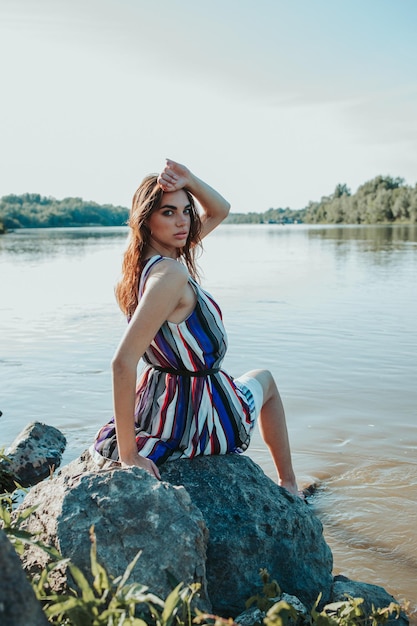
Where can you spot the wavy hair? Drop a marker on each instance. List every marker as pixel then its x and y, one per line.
pixel 147 199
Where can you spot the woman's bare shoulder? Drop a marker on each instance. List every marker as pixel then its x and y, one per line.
pixel 169 270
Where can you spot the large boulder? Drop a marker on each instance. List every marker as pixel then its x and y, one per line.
pixel 18 603
pixel 34 454
pixel 130 512
pixel 252 524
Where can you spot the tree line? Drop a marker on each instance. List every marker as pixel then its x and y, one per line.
pixel 31 210
pixel 383 199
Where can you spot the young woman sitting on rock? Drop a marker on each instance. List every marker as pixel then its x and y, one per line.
pixel 184 403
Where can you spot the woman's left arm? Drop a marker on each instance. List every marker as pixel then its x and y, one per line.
pixel 215 208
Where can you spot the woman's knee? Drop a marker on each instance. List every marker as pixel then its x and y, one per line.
pixel 266 380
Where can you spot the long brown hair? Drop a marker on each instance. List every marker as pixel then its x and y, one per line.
pixel 147 199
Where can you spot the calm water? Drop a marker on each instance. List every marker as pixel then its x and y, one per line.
pixel 332 311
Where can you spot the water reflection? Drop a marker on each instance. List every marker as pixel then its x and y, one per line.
pixel 378 237
pixel 377 245
pixel 38 243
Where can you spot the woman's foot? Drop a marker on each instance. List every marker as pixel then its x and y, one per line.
pixel 290 486
pixel 293 489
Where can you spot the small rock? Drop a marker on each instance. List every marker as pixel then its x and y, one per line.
pixel 34 454
pixel 373 595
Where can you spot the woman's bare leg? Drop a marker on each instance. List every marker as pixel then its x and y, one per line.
pixel 273 427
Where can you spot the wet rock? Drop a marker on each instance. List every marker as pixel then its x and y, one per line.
pixel 18 603
pixel 34 455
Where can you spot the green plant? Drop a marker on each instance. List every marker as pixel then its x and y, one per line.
pixel 349 612
pixel 270 592
pixel 282 613
pixel 207 619
pixel 111 602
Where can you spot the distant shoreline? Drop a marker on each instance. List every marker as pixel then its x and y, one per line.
pixel 382 200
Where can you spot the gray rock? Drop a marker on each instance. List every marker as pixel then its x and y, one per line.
pixel 294 602
pixel 373 595
pixel 255 616
pixel 34 454
pixel 250 617
pixel 18 603
pixel 253 523
pixel 130 512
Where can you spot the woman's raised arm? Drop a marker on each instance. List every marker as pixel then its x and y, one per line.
pixel 215 208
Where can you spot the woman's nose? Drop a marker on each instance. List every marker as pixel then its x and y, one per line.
pixel 181 218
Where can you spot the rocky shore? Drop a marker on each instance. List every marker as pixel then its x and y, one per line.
pixel 214 520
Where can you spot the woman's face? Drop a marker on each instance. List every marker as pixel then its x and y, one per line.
pixel 170 224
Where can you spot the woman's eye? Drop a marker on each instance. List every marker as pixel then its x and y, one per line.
pixel 187 211
pixel 167 213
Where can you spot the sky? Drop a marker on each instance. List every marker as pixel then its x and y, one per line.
pixel 271 102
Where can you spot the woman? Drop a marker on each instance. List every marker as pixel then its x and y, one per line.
pixel 184 404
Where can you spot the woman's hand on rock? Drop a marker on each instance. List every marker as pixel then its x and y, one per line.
pixel 140 461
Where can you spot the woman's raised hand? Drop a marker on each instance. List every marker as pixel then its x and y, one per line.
pixel 174 176
pixel 214 208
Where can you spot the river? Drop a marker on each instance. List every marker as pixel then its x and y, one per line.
pixel 331 311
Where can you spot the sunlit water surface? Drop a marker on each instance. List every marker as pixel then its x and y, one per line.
pixel 331 311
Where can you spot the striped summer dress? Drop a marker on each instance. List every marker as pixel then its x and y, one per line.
pixel 182 416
